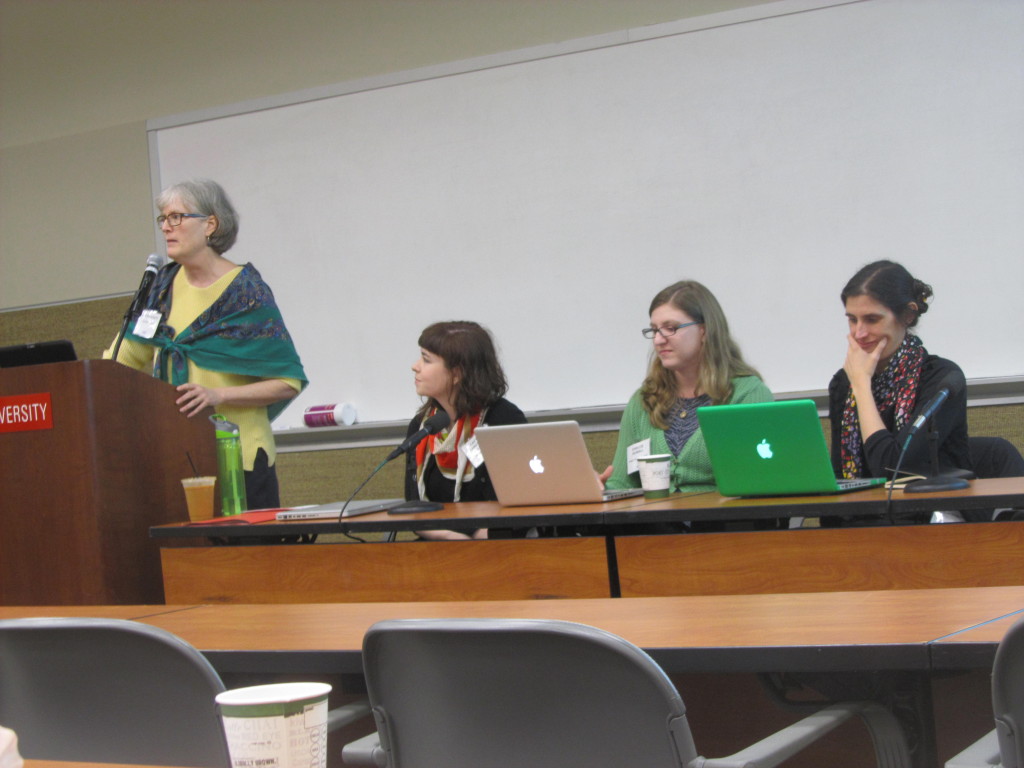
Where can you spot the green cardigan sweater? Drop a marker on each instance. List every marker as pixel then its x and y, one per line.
pixel 691 469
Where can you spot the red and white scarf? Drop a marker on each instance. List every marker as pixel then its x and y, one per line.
pixel 447 449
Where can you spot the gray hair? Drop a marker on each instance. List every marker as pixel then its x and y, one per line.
pixel 208 198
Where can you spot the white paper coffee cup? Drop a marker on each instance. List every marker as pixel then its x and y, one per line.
pixel 655 474
pixel 282 725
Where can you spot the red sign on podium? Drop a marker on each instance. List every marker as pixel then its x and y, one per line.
pixel 22 413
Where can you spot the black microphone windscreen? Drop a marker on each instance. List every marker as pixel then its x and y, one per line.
pixel 437 422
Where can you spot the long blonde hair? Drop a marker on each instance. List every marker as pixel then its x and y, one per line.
pixel 720 360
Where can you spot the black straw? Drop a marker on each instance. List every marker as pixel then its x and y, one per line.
pixel 195 472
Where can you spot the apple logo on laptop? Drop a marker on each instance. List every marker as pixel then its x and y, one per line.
pixel 537 465
pixel 764 449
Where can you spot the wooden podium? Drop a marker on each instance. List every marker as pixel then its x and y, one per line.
pixel 91 455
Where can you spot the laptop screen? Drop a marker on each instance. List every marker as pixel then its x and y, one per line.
pixel 36 354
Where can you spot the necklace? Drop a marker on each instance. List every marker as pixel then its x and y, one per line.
pixel 686 404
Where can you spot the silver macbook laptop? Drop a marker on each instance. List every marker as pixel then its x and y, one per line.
pixel 771 449
pixel 535 464
pixel 328 511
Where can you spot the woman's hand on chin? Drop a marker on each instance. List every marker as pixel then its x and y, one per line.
pixel 861 364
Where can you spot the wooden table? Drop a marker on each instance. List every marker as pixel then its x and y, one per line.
pixel 131 612
pixel 887 629
pixel 802 560
pixel 880 629
pixel 897 631
pixel 982 494
pixel 973 647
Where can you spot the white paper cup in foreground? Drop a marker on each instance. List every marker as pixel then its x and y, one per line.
pixel 655 475
pixel 278 726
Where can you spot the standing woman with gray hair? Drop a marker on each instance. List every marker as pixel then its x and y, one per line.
pixel 212 328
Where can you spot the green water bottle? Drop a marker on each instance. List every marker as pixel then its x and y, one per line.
pixel 230 476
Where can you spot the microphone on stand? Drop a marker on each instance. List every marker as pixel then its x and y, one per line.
pixel 926 413
pixel 153 264
pixel 938 482
pixel 431 426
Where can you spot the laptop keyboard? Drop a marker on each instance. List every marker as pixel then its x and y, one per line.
pixel 623 493
pixel 856 482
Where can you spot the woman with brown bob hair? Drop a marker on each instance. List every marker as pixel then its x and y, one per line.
pixel 458 372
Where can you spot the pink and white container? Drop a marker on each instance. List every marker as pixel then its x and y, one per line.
pixel 330 415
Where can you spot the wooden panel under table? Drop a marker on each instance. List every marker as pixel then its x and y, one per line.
pixel 822 560
pixel 511 569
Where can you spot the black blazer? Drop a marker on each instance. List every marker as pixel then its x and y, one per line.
pixel 882 449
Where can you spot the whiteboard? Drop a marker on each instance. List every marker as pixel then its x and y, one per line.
pixel 551 193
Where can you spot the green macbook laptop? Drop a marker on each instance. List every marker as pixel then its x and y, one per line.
pixel 771 449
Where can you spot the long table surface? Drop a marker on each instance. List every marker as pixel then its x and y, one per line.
pixel 973 647
pixel 835 631
pixel 981 494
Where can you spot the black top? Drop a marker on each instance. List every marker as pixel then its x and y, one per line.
pixel 440 488
pixel 882 449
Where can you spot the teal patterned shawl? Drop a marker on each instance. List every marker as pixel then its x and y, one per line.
pixel 242 332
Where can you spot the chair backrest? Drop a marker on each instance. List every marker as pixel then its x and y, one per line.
pixel 995 457
pixel 519 693
pixel 1008 696
pixel 108 691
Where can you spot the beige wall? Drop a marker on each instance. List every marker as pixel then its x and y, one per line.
pixel 79 78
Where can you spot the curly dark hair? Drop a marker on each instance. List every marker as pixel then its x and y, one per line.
pixel 892 285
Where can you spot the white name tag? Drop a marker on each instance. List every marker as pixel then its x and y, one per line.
pixel 472 450
pixel 146 325
pixel 635 451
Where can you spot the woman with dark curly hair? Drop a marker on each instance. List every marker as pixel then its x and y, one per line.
pixel 888 377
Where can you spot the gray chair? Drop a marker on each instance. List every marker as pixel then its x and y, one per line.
pixel 994 457
pixel 1003 747
pixel 108 691
pixel 535 693
pixel 115 691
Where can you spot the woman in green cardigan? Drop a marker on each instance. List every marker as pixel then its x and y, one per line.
pixel 694 362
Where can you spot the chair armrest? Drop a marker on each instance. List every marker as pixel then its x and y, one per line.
pixel 984 753
pixel 347 714
pixel 890 744
pixel 364 751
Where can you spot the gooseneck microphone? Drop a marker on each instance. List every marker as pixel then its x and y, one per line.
pixel 926 413
pixel 153 264
pixel 431 426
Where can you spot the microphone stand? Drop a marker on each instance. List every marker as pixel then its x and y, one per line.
pixel 153 264
pixel 432 426
pixel 120 334
pixel 953 480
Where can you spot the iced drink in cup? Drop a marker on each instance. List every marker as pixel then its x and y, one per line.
pixel 199 497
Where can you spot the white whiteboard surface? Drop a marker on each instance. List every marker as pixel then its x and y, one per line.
pixel 551 198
